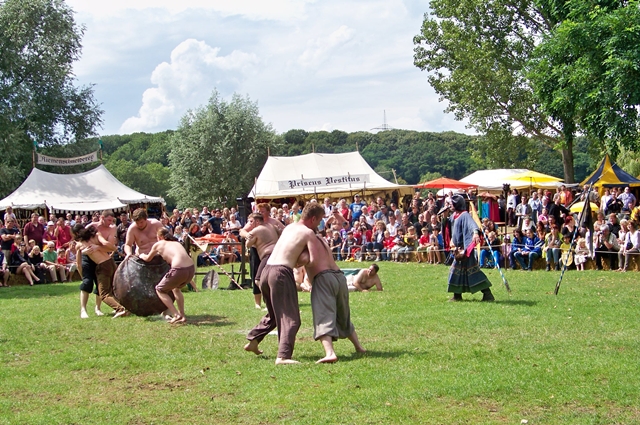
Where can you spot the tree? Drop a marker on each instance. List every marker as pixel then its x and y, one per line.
pixel 39 102
pixel 587 69
pixel 218 150
pixel 477 53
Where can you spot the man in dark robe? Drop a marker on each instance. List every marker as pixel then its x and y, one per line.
pixel 465 274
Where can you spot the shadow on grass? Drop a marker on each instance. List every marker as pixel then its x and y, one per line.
pixel 353 356
pixel 208 320
pixel 528 303
pixel 38 291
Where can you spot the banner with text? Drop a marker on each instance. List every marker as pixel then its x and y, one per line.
pixel 320 182
pixel 65 162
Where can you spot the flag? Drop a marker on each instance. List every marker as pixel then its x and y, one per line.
pixel 585 220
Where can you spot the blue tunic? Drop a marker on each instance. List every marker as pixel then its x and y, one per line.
pixel 465 275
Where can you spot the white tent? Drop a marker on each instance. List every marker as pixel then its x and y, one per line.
pixel 93 190
pixel 319 174
pixel 492 180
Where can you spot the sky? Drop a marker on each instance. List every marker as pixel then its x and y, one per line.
pixel 312 65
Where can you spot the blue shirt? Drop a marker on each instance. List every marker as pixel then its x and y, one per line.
pixel 356 210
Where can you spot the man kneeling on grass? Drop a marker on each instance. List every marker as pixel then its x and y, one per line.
pixel 181 272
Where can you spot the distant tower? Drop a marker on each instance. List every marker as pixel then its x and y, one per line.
pixel 384 125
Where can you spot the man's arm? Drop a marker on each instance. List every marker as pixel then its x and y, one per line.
pixel 377 282
pixel 250 239
pixel 129 241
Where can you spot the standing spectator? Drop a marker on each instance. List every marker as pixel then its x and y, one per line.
pixel 628 201
pixel 8 235
pixel 523 210
pixel 536 206
pixel 631 244
pixel 605 200
pixel 216 222
pixel 34 230
pixel 50 233
pixel 205 214
pixel 606 246
pixel 328 208
pixel 511 208
pixel 9 214
pixel 356 208
pixel 614 205
pixel 62 234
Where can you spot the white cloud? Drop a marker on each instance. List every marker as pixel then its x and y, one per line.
pixel 320 48
pixel 251 9
pixel 186 82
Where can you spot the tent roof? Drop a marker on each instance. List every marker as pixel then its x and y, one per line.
pixel 318 174
pixel 610 175
pixel 93 190
pixel 492 180
pixel 444 182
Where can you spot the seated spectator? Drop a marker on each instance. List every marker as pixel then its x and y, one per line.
pixel 543 218
pixel 53 265
pixel 517 245
pixel 37 260
pixel 349 246
pixel 491 251
pixel 388 244
pixel 194 231
pixel 528 224
pixel 30 245
pixel 531 250
pixel 4 271
pixel 233 225
pixel 606 246
pixel 614 225
pixel 62 261
pixel 71 260
pixel 374 246
pixel 552 249
pixel 19 263
pixel 569 226
pixel 423 245
pixel 410 240
pixel 566 258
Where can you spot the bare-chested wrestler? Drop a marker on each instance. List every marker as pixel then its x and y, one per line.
pixel 367 279
pixel 105 226
pixel 329 301
pixel 181 272
pixel 263 238
pixel 89 242
pixel 279 288
pixel 143 233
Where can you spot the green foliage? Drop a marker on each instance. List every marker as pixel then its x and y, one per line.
pixel 569 359
pixel 428 176
pixel 587 69
pixel 39 41
pixel 218 151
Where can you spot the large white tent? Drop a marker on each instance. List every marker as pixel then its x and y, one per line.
pixel 320 174
pixel 93 190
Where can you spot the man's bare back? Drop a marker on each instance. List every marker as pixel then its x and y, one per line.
pixel 263 238
pixel 92 248
pixel 321 258
pixel 172 252
pixel 143 234
pixel 294 239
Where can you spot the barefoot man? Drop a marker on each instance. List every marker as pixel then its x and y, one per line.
pixel 367 279
pixel 278 285
pixel 143 233
pixel 181 272
pixel 107 230
pixel 263 238
pixel 89 242
pixel 329 301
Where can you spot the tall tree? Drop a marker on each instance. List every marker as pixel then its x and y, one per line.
pixel 587 69
pixel 218 150
pixel 477 52
pixel 39 101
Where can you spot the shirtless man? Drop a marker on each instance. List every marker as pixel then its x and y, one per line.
pixel 181 272
pixel 278 285
pixel 329 301
pixel 105 226
pixel 263 238
pixel 143 233
pixel 367 279
pixel 90 242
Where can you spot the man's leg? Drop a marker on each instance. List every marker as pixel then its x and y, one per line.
pixel 84 297
pixel 329 353
pixel 284 296
pixel 177 293
pixel 168 302
pixel 267 323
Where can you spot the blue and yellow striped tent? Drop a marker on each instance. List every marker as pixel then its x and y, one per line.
pixel 609 174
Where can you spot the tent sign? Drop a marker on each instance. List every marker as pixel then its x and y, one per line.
pixel 323 181
pixel 65 162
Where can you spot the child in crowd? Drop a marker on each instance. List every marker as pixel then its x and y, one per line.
pixel 436 244
pixel 399 243
pixel 566 248
pixel 335 242
pixel 51 260
pixel 388 243
pixel 349 245
pixel 423 246
pixel 582 253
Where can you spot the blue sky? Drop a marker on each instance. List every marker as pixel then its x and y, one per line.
pixel 315 65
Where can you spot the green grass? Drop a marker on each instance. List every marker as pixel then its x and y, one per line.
pixel 566 359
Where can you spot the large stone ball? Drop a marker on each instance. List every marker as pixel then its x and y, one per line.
pixel 134 285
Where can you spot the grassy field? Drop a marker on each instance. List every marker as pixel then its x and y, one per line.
pixel 566 359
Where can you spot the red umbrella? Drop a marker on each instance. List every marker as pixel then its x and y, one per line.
pixel 443 182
